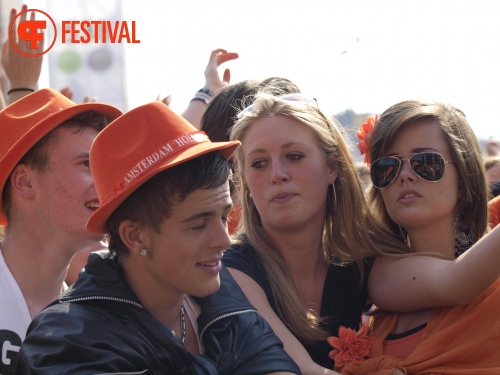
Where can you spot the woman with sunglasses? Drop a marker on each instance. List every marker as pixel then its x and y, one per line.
pixel 308 238
pixel 431 190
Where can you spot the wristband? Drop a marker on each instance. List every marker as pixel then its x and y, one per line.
pixel 207 92
pixel 20 89
pixel 204 95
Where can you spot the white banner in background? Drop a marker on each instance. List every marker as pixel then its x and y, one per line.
pixel 93 69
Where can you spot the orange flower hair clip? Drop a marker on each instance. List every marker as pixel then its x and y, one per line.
pixel 350 345
pixel 364 135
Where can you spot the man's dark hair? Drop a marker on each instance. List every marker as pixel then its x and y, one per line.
pixel 152 202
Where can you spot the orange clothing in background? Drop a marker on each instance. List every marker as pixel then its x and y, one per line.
pixel 458 340
pixel 494 211
pixel 234 219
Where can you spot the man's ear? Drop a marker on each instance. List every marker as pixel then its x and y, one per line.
pixel 134 235
pixel 21 181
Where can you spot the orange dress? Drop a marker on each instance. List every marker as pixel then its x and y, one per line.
pixel 458 340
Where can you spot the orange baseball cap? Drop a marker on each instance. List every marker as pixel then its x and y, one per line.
pixel 26 121
pixel 138 145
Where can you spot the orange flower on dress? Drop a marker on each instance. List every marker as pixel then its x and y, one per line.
pixel 364 135
pixel 350 345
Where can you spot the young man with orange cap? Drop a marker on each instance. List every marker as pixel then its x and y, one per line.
pixel 47 197
pixel 159 301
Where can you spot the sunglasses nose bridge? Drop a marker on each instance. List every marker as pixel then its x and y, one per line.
pixel 406 170
pixel 404 165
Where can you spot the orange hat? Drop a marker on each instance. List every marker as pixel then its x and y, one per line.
pixel 26 121
pixel 138 145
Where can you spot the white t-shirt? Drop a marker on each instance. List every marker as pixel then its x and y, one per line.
pixel 193 311
pixel 14 319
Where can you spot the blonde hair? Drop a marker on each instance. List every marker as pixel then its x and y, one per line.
pixel 350 231
pixel 465 151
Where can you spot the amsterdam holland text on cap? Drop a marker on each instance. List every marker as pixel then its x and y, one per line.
pixel 138 145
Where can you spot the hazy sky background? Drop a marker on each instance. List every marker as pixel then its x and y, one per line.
pixel 359 54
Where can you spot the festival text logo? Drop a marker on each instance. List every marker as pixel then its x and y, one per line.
pixel 34 31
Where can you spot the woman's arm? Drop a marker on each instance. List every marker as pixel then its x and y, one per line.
pixel 213 83
pixel 419 282
pixel 292 346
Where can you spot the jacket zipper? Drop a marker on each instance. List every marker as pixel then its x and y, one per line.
pixel 224 316
pixel 103 298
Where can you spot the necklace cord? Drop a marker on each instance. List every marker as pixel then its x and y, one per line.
pixel 183 324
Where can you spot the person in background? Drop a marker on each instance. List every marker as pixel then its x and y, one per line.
pixel 67 91
pixel 217 121
pixel 79 260
pixel 278 85
pixel 430 189
pixel 213 84
pixel 47 197
pixel 492 147
pixel 21 72
pixel 364 175
pixel 492 166
pixel 160 300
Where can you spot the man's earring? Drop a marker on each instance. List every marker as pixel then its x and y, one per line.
pixel 144 252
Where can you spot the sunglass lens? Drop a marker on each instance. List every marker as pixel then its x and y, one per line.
pixel 384 171
pixel 429 166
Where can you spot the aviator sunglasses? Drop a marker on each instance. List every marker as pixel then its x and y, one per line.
pixel 429 166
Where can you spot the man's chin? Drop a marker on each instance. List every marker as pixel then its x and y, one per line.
pixel 209 289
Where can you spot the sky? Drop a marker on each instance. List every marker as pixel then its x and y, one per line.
pixel 363 55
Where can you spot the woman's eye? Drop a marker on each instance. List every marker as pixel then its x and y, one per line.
pixel 85 163
pixel 257 164
pixel 295 156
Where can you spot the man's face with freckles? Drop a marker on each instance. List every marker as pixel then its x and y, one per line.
pixel 65 193
pixel 185 256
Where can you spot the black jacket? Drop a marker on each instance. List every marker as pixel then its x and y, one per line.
pixel 100 326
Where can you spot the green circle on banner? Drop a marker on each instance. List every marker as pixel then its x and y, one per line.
pixel 69 61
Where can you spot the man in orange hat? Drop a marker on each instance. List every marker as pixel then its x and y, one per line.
pixel 47 197
pixel 160 300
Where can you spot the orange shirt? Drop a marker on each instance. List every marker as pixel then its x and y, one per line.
pixel 403 346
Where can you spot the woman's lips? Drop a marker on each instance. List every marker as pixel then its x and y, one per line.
pixel 283 197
